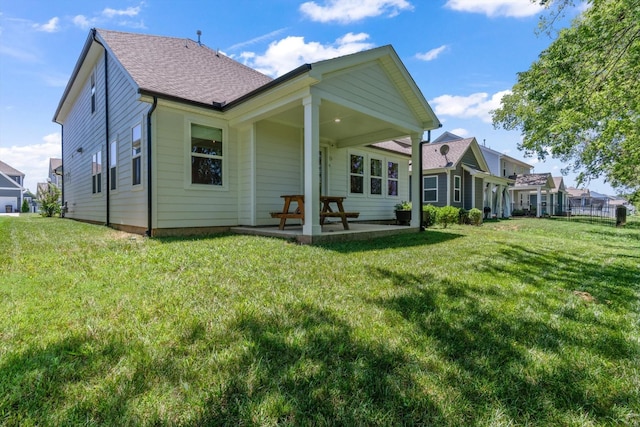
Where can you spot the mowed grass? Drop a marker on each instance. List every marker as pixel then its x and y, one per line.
pixel 517 322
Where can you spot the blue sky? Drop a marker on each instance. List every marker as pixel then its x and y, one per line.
pixel 463 55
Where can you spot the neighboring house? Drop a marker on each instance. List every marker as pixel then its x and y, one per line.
pixel 55 172
pixel 455 173
pixel 32 200
pixel 11 188
pixel 164 135
pixel 558 196
pixel 578 198
pixel 502 169
pixel 527 193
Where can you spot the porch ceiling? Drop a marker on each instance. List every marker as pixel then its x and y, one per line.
pixel 342 125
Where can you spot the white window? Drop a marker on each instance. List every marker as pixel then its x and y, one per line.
pixel 93 93
pixel 356 174
pixel 392 178
pixel 430 189
pixel 206 155
pixel 375 177
pixel 457 188
pixel 96 173
pixel 136 155
pixel 113 165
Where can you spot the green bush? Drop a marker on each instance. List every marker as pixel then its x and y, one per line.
pixel 25 206
pixel 429 215
pixel 49 201
pixel 448 215
pixel 475 216
pixel 463 216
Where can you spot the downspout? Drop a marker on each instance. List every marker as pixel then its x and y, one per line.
pixel 149 194
pixel 106 127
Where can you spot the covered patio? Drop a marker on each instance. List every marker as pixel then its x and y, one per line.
pixel 331 232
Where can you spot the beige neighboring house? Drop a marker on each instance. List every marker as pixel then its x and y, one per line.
pixel 164 135
pixel 11 188
pixel 530 192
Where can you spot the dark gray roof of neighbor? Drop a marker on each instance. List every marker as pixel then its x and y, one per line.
pixel 532 179
pixel 9 170
pixel 182 68
pixel 433 159
pixel 400 145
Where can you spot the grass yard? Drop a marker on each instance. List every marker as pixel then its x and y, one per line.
pixel 517 322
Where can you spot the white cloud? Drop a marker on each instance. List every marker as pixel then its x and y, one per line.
pixel 477 105
pixel 50 27
pixel 130 11
pixel 108 15
pixel 460 132
pixel 510 8
pixel 33 160
pixel 432 54
pixel 83 22
pixel 346 11
pixel 285 55
pixel 258 39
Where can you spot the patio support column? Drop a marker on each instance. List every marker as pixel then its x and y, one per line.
pixel 416 176
pixel 499 190
pixel 311 225
pixel 539 202
pixel 473 192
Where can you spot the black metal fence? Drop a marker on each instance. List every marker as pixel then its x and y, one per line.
pixel 615 215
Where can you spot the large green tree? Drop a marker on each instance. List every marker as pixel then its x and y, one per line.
pixel 579 102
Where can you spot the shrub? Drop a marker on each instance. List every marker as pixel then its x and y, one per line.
pixel 463 216
pixel 25 206
pixel 429 215
pixel 448 215
pixel 475 216
pixel 403 206
pixel 49 200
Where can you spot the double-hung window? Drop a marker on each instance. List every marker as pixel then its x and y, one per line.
pixel 136 155
pixel 356 174
pixel 206 155
pixel 430 189
pixel 113 164
pixel 392 179
pixel 96 173
pixel 375 177
pixel 93 93
pixel 457 188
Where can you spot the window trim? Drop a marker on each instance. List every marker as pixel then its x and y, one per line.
pixel 388 179
pixel 113 166
pixel 425 189
pixel 92 89
pixel 188 185
pixel 96 173
pixel 457 179
pixel 136 156
pixel 363 175
pixel 381 177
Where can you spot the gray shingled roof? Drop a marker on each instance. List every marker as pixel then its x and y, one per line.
pixel 432 159
pixel 532 179
pixel 9 170
pixel 182 68
pixel 401 146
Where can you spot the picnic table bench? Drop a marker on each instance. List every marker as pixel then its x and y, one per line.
pixel 325 212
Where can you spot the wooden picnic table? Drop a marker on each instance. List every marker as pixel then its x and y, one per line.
pixel 325 212
pixel 298 213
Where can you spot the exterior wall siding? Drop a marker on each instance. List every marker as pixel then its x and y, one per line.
pixel 372 88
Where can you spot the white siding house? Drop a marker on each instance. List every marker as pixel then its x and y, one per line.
pixel 164 135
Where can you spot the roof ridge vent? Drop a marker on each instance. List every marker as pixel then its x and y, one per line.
pixel 199 33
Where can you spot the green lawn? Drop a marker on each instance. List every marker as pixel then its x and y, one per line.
pixel 517 322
